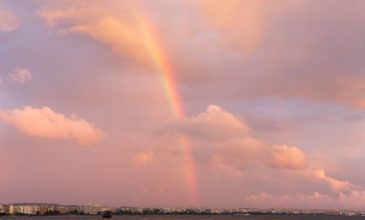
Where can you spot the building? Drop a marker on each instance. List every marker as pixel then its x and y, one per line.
pixel 4 209
pixel 27 209
pixel 62 210
pixel 11 210
pixel 92 209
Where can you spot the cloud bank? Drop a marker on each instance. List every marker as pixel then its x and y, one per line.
pixel 235 147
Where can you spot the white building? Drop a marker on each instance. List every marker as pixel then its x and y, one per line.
pixel 92 209
pixel 11 210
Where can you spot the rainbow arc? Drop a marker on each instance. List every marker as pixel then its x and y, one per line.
pixel 158 56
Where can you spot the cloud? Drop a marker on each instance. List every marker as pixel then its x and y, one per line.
pixel 354 199
pixel 225 140
pixel 242 23
pixel 239 153
pixel 114 25
pixel 8 21
pixel 284 157
pixel 143 158
pixel 222 137
pixel 334 184
pixel 229 142
pixel 45 123
pixel 289 201
pixel 20 76
pixel 307 60
pixel 249 31
pixel 215 124
pixel 233 53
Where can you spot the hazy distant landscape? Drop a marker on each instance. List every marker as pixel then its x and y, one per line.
pixel 191 217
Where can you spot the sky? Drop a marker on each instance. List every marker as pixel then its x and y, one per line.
pixel 194 103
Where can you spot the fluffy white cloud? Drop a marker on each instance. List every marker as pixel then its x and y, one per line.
pixel 44 122
pixel 20 76
pixel 8 21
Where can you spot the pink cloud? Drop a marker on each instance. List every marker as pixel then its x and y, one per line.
pixel 334 184
pixel 20 76
pixel 284 157
pixel 239 153
pixel 313 200
pixel 143 158
pixel 222 136
pixel 102 22
pixel 354 199
pixel 239 26
pixel 8 21
pixel 226 141
pixel 215 124
pixel 45 123
pixel 230 142
pixel 219 51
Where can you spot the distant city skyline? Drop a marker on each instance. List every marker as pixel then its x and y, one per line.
pixel 42 209
pixel 194 103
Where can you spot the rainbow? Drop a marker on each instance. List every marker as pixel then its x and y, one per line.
pixel 155 50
